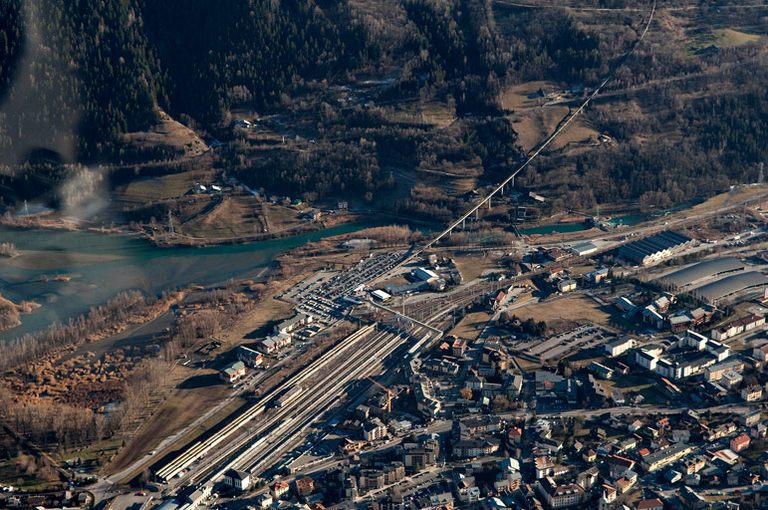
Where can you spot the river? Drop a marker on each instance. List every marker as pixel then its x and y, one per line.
pixel 102 265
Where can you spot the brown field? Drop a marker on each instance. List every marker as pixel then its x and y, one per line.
pixel 534 126
pixel 723 200
pixel 471 325
pixel 572 308
pixel 472 265
pixel 437 114
pixel 517 96
pixel 730 38
pixel 179 410
pixel 169 133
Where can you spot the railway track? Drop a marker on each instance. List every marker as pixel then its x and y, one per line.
pixel 201 448
pixel 279 429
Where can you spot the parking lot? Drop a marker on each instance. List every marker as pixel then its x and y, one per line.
pixel 557 347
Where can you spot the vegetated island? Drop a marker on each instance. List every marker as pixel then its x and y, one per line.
pixel 10 312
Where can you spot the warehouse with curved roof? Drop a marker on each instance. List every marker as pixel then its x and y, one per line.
pixel 728 286
pixel 695 273
pixel 655 248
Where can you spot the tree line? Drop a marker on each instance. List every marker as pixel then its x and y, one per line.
pixel 74 332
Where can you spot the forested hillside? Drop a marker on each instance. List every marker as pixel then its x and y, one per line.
pixel 254 52
pixel 405 102
pixel 110 64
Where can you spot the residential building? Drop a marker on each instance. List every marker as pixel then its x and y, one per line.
pixel 471 448
pixel 371 479
pixel 760 352
pixel 559 496
pixel 619 346
pixel 739 443
pixel 238 480
pixel 304 486
pixel 607 498
pixel 233 372
pixel 249 357
pixel 752 393
pixel 665 456
pixel 296 322
pixel 650 504
pixel 374 430
pixel 459 347
pixel 280 489
pixel 653 317
pixel 418 457
pixel 544 466
pixel 274 343
pixel 716 372
pixel 263 501
pixel 737 327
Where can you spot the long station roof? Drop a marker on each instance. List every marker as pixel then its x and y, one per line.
pixel 731 285
pixel 706 269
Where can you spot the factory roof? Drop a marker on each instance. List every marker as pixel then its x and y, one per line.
pixel 706 269
pixel 656 243
pixel 731 285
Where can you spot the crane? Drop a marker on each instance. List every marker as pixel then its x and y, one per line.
pixel 390 394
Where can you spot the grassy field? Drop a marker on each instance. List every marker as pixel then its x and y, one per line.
pixel 730 38
pixel 149 190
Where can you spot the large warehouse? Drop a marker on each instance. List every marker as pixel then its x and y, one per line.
pixel 697 273
pixel 721 289
pixel 655 248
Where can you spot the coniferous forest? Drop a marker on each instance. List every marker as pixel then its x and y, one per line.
pixel 76 77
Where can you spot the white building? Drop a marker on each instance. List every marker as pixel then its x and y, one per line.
pixel 381 295
pixel 424 274
pixel 239 480
pixel 619 346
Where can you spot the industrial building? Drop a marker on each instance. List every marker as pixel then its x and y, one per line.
pixel 425 274
pixel 583 249
pixel 655 248
pixel 730 285
pixel 381 295
pixel 698 273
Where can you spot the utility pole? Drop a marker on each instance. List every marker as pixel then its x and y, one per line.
pixel 171 229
